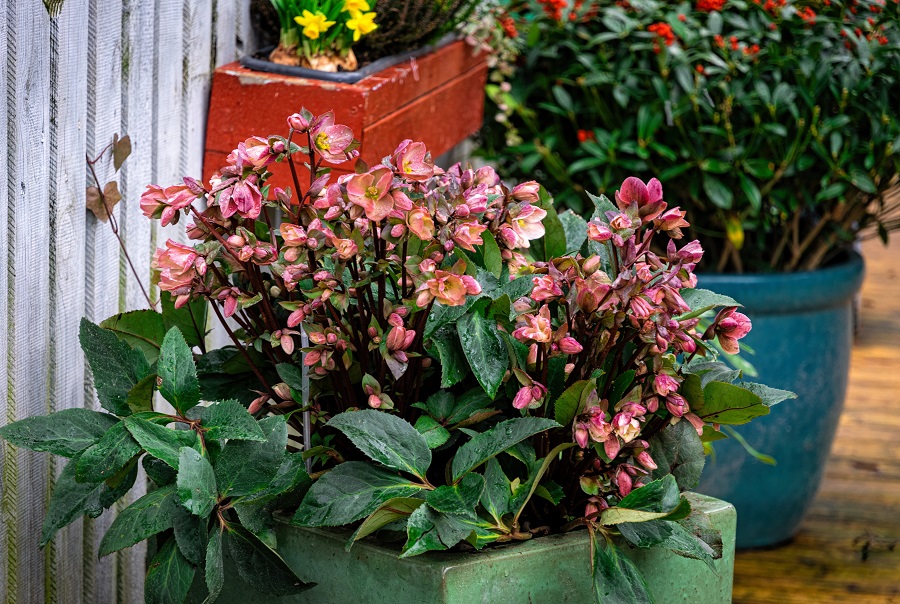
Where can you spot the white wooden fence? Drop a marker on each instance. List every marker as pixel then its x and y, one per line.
pixel 76 72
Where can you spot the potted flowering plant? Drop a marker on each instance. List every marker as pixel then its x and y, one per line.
pixel 460 365
pixel 387 67
pixel 759 116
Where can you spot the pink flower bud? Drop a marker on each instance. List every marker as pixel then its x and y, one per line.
pixel 527 192
pixel 645 460
pixel 623 481
pixel 664 384
pixel 298 122
pixel 282 390
pixel 374 401
pixel 570 345
pixel 677 405
pixel 523 398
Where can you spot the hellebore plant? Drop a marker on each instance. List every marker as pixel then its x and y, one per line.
pixel 480 370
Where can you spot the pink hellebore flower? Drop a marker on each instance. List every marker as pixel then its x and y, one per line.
pixel 647 197
pixel 528 192
pixel 529 396
pixel 330 140
pixel 345 248
pixel 164 204
pixel 671 221
pixel 731 326
pixel 537 328
pixel 413 161
pixel 664 384
pixel 468 234
pixel 178 266
pixel 598 231
pixel 545 287
pixel 371 191
pixel 525 222
pixel 253 152
pixel 294 240
pixel 691 252
pixel 447 288
pixel 626 426
pixel 676 404
pixel 243 198
pixel 420 223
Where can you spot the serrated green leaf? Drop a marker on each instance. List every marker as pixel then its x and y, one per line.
pixel 496 440
pixel 215 566
pixel 351 491
pixel 524 493
pixel 434 433
pixel 575 228
pixel 386 439
pixel 67 432
pixel 230 419
pixel 107 456
pixel 677 450
pixel 160 441
pixel 568 405
pixel 729 404
pixel 190 319
pixel 116 367
pixel 259 566
pixel 767 395
pixel 71 499
pixel 190 534
pixel 169 576
pixel 196 482
pixel 149 515
pixel 650 502
pixel 141 329
pixel 616 578
pixel 140 397
pixel 484 350
pixel 497 490
pixel 247 466
pixel 702 300
pixel 178 381
pixel 454 367
pixel 459 499
pixel 422 535
pixel 290 478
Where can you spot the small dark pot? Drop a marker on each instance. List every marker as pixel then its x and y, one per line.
pixel 802 335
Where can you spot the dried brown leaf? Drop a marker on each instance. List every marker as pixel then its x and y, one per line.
pixel 95 202
pixel 121 150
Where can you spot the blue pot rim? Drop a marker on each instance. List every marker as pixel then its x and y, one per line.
pixel 783 293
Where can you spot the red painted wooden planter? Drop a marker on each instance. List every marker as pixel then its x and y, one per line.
pixel 437 99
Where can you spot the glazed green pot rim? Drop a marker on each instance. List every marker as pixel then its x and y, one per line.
pixel 786 293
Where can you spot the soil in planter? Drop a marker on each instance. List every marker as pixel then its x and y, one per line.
pixel 328 63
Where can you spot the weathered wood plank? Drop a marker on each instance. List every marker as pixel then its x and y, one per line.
pixel 198 34
pixel 8 530
pixel 68 109
pixel 225 37
pixel 28 134
pixel 104 274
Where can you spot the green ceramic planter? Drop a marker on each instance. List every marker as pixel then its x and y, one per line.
pixel 547 570
pixel 802 335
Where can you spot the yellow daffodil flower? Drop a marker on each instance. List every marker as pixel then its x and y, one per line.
pixel 313 24
pixel 361 24
pixel 355 5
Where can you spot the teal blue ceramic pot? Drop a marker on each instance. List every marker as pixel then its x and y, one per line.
pixel 802 336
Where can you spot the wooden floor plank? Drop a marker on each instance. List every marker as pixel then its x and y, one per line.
pixel 859 501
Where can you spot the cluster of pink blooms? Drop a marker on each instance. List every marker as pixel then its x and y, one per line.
pixel 580 311
pixel 360 262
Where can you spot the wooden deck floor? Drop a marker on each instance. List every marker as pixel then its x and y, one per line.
pixel 857 510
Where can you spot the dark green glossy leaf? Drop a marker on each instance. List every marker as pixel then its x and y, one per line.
pixel 703 300
pixel 107 456
pixel 190 534
pixel 259 566
pixel 496 440
pixel 422 535
pixel 677 450
pixel 190 319
pixel 466 405
pixel 434 433
pixel 158 471
pixel 149 515
pixel 196 482
pixel 459 499
pixel 484 350
pixel 116 367
pixel 230 419
pixel 67 432
pixel 169 576
pixel 350 491
pixel 767 395
pixel 141 329
pixel 568 405
pixel 454 367
pixel 140 398
pixel 177 373
pixel 385 438
pixel 70 500
pixel 215 566
pixel 159 441
pixel 291 478
pixel 247 466
pixel 729 404
pixel 652 501
pixel 616 578
pixel 575 228
pixel 497 490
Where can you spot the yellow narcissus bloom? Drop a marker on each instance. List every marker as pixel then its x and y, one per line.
pixel 355 6
pixel 313 23
pixel 361 23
